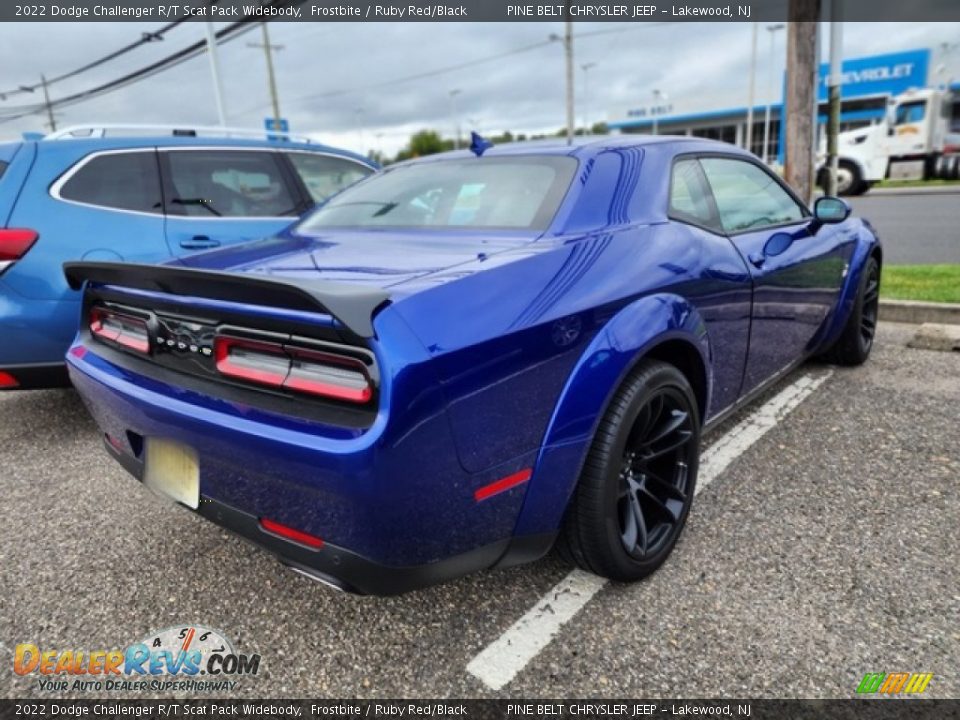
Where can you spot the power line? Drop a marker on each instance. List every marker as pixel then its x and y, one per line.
pixel 144 39
pixel 226 34
pixel 450 68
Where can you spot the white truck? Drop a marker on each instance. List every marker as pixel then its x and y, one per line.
pixel 918 139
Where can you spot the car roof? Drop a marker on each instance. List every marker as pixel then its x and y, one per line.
pixel 108 143
pixel 588 146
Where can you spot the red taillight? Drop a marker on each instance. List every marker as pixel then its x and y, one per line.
pixel 124 330
pixel 259 362
pixel 7 380
pixel 501 485
pixel 14 243
pixel 290 533
pixel 294 368
pixel 333 376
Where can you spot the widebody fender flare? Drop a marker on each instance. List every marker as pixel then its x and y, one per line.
pixel 866 245
pixel 633 332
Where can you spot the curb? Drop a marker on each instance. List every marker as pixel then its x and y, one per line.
pixel 917 313
pixel 935 190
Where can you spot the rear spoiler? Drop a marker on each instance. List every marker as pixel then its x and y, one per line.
pixel 351 305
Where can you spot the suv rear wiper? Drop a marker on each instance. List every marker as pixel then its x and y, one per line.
pixel 202 202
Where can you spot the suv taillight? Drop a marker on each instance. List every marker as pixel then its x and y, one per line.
pixel 294 368
pixel 14 243
pixel 124 330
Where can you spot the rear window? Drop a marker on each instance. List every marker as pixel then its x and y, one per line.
pixel 519 193
pixel 229 183
pixel 122 181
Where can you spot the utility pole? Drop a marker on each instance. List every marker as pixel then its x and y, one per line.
pixel 772 29
pixel 215 71
pixel 833 84
pixel 568 52
pixel 268 51
pixel 46 101
pixel 801 100
pixel 751 93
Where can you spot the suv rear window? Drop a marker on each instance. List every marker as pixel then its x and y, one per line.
pixel 229 183
pixel 118 180
pixel 324 175
pixel 519 193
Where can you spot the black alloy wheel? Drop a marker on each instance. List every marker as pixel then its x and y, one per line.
pixel 637 484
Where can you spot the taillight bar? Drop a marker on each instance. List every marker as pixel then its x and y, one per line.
pixel 293 368
pixel 252 360
pixel 125 330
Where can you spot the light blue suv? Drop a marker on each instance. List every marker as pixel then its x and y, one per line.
pixel 151 197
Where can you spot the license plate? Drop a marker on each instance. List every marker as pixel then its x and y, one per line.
pixel 171 469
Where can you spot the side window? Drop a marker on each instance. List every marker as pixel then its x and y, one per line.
pixel 690 195
pixel 3 167
pixel 747 197
pixel 228 183
pixel 325 175
pixel 122 180
pixel 911 112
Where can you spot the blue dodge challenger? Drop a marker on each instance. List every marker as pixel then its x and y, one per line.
pixel 473 357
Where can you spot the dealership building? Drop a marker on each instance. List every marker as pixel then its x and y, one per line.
pixel 867 86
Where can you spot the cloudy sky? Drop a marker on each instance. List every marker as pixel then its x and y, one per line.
pixel 336 81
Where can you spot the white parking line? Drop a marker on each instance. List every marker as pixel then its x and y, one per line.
pixel 498 663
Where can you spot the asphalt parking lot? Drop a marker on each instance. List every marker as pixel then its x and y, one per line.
pixel 825 549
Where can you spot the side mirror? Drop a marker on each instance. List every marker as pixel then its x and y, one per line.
pixel 830 210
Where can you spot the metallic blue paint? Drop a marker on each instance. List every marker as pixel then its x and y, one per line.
pixel 498 352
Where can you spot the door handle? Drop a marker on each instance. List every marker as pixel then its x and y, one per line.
pixel 199 242
pixel 757 260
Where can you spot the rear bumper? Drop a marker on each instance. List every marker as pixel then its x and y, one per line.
pixel 340 568
pixel 392 504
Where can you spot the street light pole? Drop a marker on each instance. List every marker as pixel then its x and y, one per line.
pixel 268 51
pixel 456 118
pixel 833 90
pixel 568 52
pixel 215 71
pixel 750 96
pixel 772 29
pixel 357 112
pixel 658 95
pixel 586 95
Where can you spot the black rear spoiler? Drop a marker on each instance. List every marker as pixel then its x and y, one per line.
pixel 351 305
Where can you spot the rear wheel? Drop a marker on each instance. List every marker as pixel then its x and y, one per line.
pixel 635 492
pixel 854 345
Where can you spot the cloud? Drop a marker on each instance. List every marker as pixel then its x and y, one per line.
pixel 326 73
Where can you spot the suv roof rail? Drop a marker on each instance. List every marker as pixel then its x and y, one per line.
pixel 124 129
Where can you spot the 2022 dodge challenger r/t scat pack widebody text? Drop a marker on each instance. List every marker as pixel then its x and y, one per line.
pixel 459 363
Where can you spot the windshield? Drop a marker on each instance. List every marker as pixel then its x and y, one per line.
pixel 519 193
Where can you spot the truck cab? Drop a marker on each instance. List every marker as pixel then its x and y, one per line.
pixel 916 140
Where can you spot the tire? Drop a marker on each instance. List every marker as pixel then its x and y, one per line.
pixel 635 491
pixel 850 181
pixel 855 343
